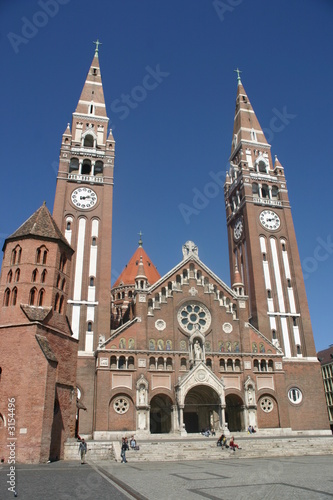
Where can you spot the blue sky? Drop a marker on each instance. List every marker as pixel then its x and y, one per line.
pixel 170 138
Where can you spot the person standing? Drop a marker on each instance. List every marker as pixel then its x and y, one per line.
pixel 83 450
pixel 124 448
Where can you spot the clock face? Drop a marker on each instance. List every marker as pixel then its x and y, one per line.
pixel 269 219
pixel 238 228
pixel 84 198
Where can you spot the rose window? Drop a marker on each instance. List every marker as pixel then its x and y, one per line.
pixel 193 317
pixel 266 405
pixel 121 405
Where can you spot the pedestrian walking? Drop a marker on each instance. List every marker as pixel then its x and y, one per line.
pixel 83 451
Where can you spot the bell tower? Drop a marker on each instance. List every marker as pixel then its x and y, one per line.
pixel 83 211
pixel 261 235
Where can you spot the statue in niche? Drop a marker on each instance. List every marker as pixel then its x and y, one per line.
pixel 197 351
pixel 250 397
pixel 142 395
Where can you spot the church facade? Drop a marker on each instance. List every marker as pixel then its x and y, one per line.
pixel 185 351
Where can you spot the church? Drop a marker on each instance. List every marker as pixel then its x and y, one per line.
pixel 170 354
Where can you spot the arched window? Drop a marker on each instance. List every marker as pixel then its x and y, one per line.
pixel 56 302
pixel 122 363
pixel 275 192
pixel 13 259
pixel 262 166
pixel 131 363
pixel 62 263
pixel 19 253
pixel 89 326
pixel 74 165
pixel 88 141
pixel 264 191
pixel 209 362
pixel 58 281
pixel 255 188
pixel 6 297
pixel 44 256
pixel 43 276
pixel 32 297
pixel 9 276
pixel 86 167
pixel 41 297
pixel 152 363
pixel 68 226
pixel 98 169
pixel 38 254
pixel 34 275
pixel 14 296
pixel 113 362
pixel 91 281
pixel 94 241
pixel 17 275
pixel 61 303
pixel 63 284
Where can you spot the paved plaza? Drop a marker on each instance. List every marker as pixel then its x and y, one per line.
pixel 305 478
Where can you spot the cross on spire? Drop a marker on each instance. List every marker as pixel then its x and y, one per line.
pixel 97 43
pixel 238 71
pixel 140 240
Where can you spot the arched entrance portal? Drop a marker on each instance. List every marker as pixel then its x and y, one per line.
pixel 202 409
pixel 160 414
pixel 233 412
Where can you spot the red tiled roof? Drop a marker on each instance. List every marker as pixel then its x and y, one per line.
pixel 127 277
pixel 40 224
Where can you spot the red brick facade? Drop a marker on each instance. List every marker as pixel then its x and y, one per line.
pixel 39 354
pixel 171 354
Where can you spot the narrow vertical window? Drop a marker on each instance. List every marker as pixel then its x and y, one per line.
pixel 14 296
pixel 32 296
pixel 6 297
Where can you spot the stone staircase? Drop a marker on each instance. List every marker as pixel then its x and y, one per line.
pixel 198 448
pixel 251 447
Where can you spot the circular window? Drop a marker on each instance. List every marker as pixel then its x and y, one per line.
pixel 193 317
pixel 295 395
pixel 266 405
pixel 121 405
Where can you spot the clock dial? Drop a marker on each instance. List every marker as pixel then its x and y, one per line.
pixel 238 228
pixel 84 198
pixel 269 220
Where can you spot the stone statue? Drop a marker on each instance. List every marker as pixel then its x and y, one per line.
pixel 142 395
pixel 197 351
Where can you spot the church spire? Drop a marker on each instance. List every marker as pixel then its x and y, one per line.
pixel 92 101
pixel 247 130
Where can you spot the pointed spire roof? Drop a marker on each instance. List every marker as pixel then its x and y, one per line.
pixel 139 262
pixel 246 124
pixel 277 162
pixel 141 269
pixel 40 225
pixel 237 277
pixel 92 92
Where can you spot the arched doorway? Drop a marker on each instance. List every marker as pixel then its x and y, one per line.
pixel 233 412
pixel 202 409
pixel 160 414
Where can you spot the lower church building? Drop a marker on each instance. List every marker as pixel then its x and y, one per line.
pixel 154 355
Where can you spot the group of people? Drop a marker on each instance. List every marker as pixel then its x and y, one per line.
pixel 223 442
pixel 125 447
pixel 251 429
